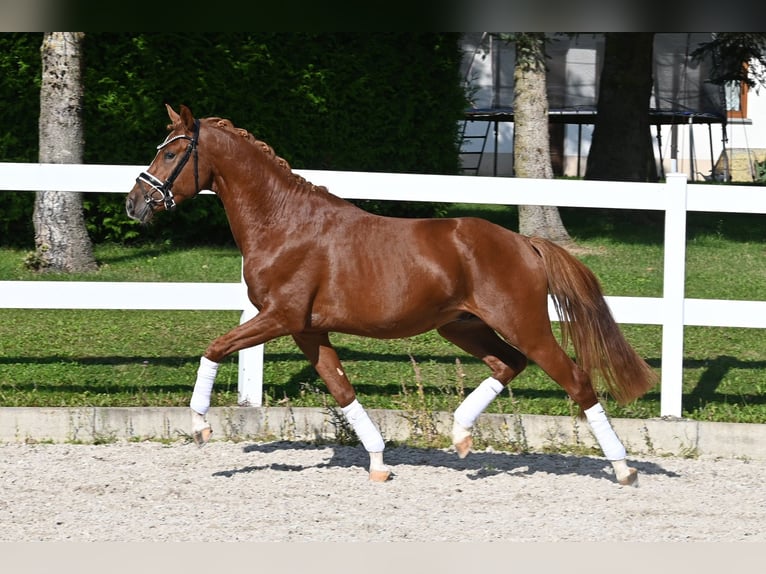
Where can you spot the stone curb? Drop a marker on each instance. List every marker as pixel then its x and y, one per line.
pixel 528 433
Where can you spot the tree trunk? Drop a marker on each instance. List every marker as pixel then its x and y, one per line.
pixel 531 141
pixel 621 148
pixel 61 239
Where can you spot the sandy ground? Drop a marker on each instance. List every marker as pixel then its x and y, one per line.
pixel 289 492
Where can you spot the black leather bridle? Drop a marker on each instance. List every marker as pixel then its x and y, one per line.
pixel 161 191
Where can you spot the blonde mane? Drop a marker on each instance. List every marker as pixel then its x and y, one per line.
pixel 267 150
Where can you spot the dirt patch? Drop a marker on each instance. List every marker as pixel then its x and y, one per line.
pixel 579 250
pixel 292 491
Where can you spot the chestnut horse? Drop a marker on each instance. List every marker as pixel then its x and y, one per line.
pixel 315 264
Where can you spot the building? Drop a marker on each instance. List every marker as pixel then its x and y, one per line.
pixel 706 131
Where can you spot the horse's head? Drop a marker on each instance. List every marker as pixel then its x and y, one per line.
pixel 168 181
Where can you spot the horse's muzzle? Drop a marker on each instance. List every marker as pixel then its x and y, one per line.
pixel 130 208
pixel 138 210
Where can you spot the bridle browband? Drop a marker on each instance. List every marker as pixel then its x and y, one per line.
pixel 164 189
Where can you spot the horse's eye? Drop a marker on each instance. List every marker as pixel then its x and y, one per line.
pixel 169 155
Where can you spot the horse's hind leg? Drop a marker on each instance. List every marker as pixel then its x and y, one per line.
pixel 476 338
pixel 549 355
pixel 322 356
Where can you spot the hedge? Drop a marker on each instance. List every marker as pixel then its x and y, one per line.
pixel 388 102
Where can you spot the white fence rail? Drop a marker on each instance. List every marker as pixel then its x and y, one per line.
pixel 672 311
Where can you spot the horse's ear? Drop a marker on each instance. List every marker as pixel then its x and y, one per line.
pixel 174 117
pixel 187 118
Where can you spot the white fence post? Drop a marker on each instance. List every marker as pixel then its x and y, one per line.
pixel 250 384
pixel 673 293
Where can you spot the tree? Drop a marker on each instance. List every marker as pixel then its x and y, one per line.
pixel 623 111
pixel 621 149
pixel 733 52
pixel 61 239
pixel 531 142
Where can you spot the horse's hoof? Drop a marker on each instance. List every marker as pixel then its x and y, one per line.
pixel 202 436
pixel 631 479
pixel 463 447
pixel 380 475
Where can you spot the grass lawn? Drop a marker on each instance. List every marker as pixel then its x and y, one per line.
pixel 149 358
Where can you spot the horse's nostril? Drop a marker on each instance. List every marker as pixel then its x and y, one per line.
pixel 129 206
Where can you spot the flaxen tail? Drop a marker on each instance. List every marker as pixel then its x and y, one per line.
pixel 600 348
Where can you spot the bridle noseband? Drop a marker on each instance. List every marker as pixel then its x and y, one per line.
pixel 164 189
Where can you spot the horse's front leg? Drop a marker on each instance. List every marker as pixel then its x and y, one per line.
pixel 255 331
pixel 321 354
pixel 200 401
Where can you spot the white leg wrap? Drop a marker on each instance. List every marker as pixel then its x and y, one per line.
pixel 475 403
pixel 198 422
pixel 605 435
pixel 459 432
pixel 203 388
pixel 376 462
pixel 364 428
pixel 622 471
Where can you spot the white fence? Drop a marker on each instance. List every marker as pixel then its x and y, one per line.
pixel 672 311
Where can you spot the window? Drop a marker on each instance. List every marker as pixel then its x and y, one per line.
pixel 736 99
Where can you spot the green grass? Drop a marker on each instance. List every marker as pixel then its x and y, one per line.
pixel 149 358
pixel 145 263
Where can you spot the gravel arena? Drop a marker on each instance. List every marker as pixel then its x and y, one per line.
pixel 133 505
pixel 101 505
pixel 302 492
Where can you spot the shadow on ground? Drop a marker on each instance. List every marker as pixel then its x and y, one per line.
pixel 477 466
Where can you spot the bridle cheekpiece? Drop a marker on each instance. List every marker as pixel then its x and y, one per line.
pixel 161 191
